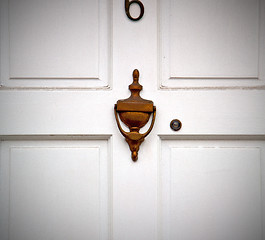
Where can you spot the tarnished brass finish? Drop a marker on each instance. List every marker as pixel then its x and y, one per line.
pixel 134 112
pixel 175 124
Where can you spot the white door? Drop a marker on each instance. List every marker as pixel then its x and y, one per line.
pixel 66 171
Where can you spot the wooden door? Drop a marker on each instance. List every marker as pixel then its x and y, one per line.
pixel 66 172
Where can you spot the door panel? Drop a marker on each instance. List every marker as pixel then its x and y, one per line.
pixel 211 189
pixel 229 39
pixel 54 44
pixel 55 190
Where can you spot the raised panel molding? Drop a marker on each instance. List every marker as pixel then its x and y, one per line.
pixel 211 44
pixel 213 186
pixel 48 44
pixel 55 189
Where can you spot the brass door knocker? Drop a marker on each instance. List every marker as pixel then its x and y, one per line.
pixel 134 112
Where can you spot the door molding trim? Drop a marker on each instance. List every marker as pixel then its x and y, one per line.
pixel 253 137
pixel 55 137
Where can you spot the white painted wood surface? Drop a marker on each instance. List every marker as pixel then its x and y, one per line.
pixel 67 113
pixel 218 41
pixel 222 194
pixel 55 43
pixel 55 190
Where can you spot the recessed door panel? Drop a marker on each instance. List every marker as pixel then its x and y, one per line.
pixel 217 41
pixel 54 190
pixel 211 190
pixel 55 43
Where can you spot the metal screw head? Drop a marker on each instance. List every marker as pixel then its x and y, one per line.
pixel 175 124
